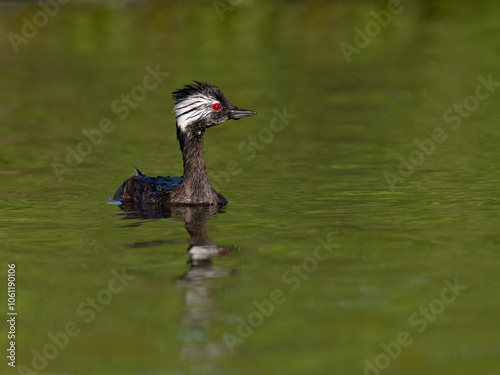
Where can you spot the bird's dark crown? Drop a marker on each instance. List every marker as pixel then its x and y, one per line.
pixel 199 88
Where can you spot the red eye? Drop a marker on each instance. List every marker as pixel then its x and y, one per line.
pixel 216 107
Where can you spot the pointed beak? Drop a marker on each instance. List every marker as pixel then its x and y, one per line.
pixel 238 113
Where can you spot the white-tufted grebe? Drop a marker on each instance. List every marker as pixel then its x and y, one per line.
pixel 197 107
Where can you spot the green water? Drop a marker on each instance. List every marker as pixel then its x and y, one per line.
pixel 367 219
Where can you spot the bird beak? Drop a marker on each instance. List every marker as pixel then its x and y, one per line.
pixel 238 113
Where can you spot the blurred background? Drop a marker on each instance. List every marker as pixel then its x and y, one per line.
pixel 387 160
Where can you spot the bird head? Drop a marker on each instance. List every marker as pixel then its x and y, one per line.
pixel 201 106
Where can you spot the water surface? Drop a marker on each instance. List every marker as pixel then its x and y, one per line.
pixel 369 217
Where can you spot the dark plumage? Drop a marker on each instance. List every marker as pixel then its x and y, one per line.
pixel 197 107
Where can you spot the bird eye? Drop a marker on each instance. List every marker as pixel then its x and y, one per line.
pixel 216 106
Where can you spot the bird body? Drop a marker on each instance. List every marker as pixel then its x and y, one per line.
pixel 197 108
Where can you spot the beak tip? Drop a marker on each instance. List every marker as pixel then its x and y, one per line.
pixel 240 113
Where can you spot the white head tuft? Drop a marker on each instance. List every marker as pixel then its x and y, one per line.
pixel 192 109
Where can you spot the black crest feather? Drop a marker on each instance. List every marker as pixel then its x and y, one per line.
pixel 202 88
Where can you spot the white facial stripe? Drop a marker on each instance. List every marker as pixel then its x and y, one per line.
pixel 192 109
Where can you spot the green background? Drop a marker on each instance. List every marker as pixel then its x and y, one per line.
pixel 324 174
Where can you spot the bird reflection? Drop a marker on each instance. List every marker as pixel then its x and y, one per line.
pixel 198 291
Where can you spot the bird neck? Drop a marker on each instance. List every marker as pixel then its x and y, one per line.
pixel 195 171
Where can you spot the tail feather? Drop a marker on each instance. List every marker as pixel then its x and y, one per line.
pixel 138 173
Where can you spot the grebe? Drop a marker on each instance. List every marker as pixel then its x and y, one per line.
pixel 197 107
